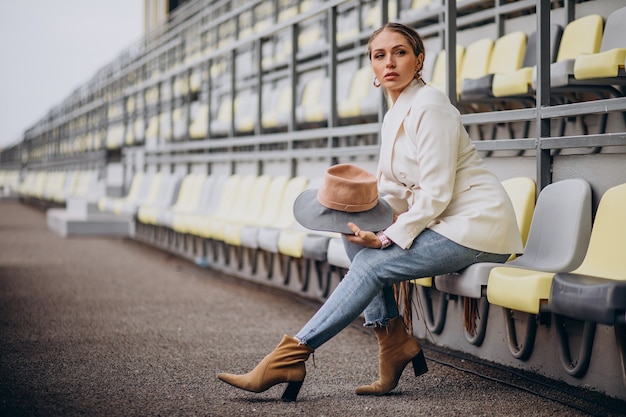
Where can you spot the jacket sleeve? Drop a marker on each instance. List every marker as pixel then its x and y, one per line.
pixel 435 131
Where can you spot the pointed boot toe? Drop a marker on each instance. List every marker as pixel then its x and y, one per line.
pixel 284 364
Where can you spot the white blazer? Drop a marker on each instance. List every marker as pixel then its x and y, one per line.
pixel 433 177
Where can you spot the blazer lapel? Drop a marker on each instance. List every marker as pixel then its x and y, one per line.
pixel 391 125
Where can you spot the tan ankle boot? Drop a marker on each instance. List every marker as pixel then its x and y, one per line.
pixel 397 349
pixel 284 364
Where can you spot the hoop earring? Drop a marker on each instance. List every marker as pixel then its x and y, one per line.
pixel 376 83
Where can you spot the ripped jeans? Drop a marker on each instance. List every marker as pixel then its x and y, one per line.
pixel 367 287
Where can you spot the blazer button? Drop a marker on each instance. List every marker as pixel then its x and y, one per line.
pixel 402 174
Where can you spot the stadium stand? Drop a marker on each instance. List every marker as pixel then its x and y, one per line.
pixel 231 103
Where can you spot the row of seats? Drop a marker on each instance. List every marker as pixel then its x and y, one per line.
pixel 232 209
pixel 9 181
pixel 360 103
pixel 58 186
pixel 486 69
pixel 585 52
pixel 570 266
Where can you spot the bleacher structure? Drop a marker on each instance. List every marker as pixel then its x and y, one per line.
pixel 197 140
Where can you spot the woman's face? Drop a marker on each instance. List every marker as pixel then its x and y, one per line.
pixel 394 62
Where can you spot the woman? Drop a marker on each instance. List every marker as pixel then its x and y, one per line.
pixel 449 210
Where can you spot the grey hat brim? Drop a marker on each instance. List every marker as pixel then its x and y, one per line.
pixel 311 214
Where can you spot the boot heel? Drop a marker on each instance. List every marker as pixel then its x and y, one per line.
pixel 292 390
pixel 419 364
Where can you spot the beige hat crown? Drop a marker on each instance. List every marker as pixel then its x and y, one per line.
pixel 348 188
pixel 347 194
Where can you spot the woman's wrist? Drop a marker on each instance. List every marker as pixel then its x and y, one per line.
pixel 385 242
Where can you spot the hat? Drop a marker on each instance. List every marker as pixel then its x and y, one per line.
pixel 347 194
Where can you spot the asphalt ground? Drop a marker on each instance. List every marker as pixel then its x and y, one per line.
pixel 95 326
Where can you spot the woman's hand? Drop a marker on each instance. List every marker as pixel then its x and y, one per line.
pixel 363 237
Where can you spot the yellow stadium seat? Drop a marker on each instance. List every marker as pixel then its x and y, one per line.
pixel 201 225
pixel 200 121
pixel 609 62
pixel 250 213
pixel 359 90
pixel 507 56
pixel 519 82
pixel 438 78
pixel 580 36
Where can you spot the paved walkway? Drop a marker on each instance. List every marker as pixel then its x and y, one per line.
pixel 111 327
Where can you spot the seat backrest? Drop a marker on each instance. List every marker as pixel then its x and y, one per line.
pixel 188 187
pixel 208 198
pixel 530 57
pixel 285 217
pixel 581 36
pixel 361 82
pixel 522 192
pixel 419 4
pixel 508 53
pixel 438 78
pixel 476 59
pixel 605 254
pixel 256 199
pixel 241 201
pixel 271 208
pixel 560 228
pixel 227 195
pixel 135 185
pixel 614 31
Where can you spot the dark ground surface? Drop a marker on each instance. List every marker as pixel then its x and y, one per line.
pixel 111 327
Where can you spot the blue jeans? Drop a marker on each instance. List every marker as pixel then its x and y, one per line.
pixel 367 287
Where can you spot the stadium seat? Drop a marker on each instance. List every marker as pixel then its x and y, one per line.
pixel 165 126
pixel 221 125
pixel 580 36
pixel 165 197
pixel 201 225
pixel 595 292
pixel 313 107
pixel 128 206
pixel 276 115
pixel 159 195
pixel 373 17
pixel 360 94
pixel 268 236
pixel 200 121
pixel 186 200
pixel 269 212
pixel 179 123
pixel 203 203
pixel 246 116
pixel 152 131
pixel 337 255
pixel 609 62
pixel 557 242
pixel 347 29
pixel 507 56
pixel 418 7
pixel 249 213
pixel 475 62
pixel 115 136
pixel 438 78
pixel 519 82
pixel 140 180
pixel 472 281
